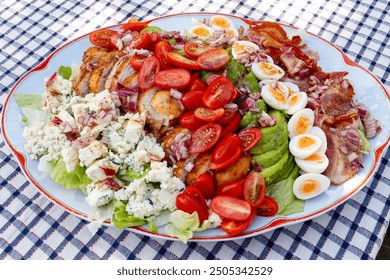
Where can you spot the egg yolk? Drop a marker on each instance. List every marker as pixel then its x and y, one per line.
pixel 302 125
pixel 279 96
pixel 309 187
pixel 269 69
pixel 294 99
pixel 305 142
pixel 317 158
pixel 221 22
pixel 201 32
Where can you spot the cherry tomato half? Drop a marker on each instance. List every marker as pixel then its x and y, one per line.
pixel 226 153
pixel 218 93
pixel 194 50
pixel 196 194
pixel 147 72
pixel 192 100
pixel 190 205
pixel 205 137
pixel 233 227
pixel 188 120
pixel 233 188
pixel 141 41
pixel 213 59
pixel 172 78
pixel 209 115
pixel 231 207
pixel 102 38
pixel 197 84
pixel 134 26
pixel 228 116
pixel 162 49
pixel 205 183
pixel 254 189
pixel 183 62
pixel 249 137
pixel 136 61
pixel 232 126
pixel 269 207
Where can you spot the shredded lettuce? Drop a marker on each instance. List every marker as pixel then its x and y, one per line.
pixel 76 179
pixel 130 175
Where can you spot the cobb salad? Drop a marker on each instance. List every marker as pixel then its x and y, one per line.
pixel 183 132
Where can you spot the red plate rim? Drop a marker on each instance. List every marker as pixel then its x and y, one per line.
pixel 273 224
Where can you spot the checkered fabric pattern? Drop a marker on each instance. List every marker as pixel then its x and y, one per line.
pixel 32 227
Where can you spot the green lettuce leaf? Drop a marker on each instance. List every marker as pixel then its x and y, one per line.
pixel 77 179
pixel 30 104
pixel 29 100
pixel 366 147
pixel 122 219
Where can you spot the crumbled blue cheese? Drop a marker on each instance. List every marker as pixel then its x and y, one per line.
pixel 98 194
pixel 102 169
pixel 71 158
pixel 92 152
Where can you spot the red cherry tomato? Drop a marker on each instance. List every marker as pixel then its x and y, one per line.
pixel 213 59
pixel 114 39
pixel 182 62
pixel 197 84
pixel 205 183
pixel 205 137
pixel 228 116
pixel 209 115
pixel 233 227
pixel 254 189
pixel 102 38
pixel 190 203
pixel 232 126
pixel 196 194
pixel 192 100
pixel 136 61
pixel 188 120
pixel 226 153
pixel 218 93
pixel 249 137
pixel 154 39
pixel 194 50
pixel 162 49
pixel 141 41
pixel 172 78
pixel 269 207
pixel 147 72
pixel 231 207
pixel 134 26
pixel 234 188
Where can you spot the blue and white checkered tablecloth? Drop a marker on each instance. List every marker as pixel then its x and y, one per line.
pixel 32 227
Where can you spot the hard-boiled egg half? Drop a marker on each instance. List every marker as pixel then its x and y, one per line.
pixel 267 71
pixel 292 88
pixel 201 31
pixel 219 22
pixel 320 133
pixel 315 163
pixel 301 122
pixel 310 185
pixel 275 97
pixel 296 101
pixel 304 145
pixel 241 48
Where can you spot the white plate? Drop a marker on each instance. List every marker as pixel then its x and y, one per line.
pixel 369 90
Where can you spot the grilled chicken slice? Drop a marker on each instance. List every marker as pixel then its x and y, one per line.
pixel 99 74
pixel 119 72
pixel 236 171
pixel 90 59
pixel 160 108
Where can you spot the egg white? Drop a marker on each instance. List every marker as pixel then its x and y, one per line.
pixel 304 116
pixel 267 71
pixel 322 181
pixel 320 133
pixel 303 152
pixel 293 88
pixel 300 102
pixel 216 26
pixel 193 31
pixel 241 47
pixel 316 165
pixel 275 97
